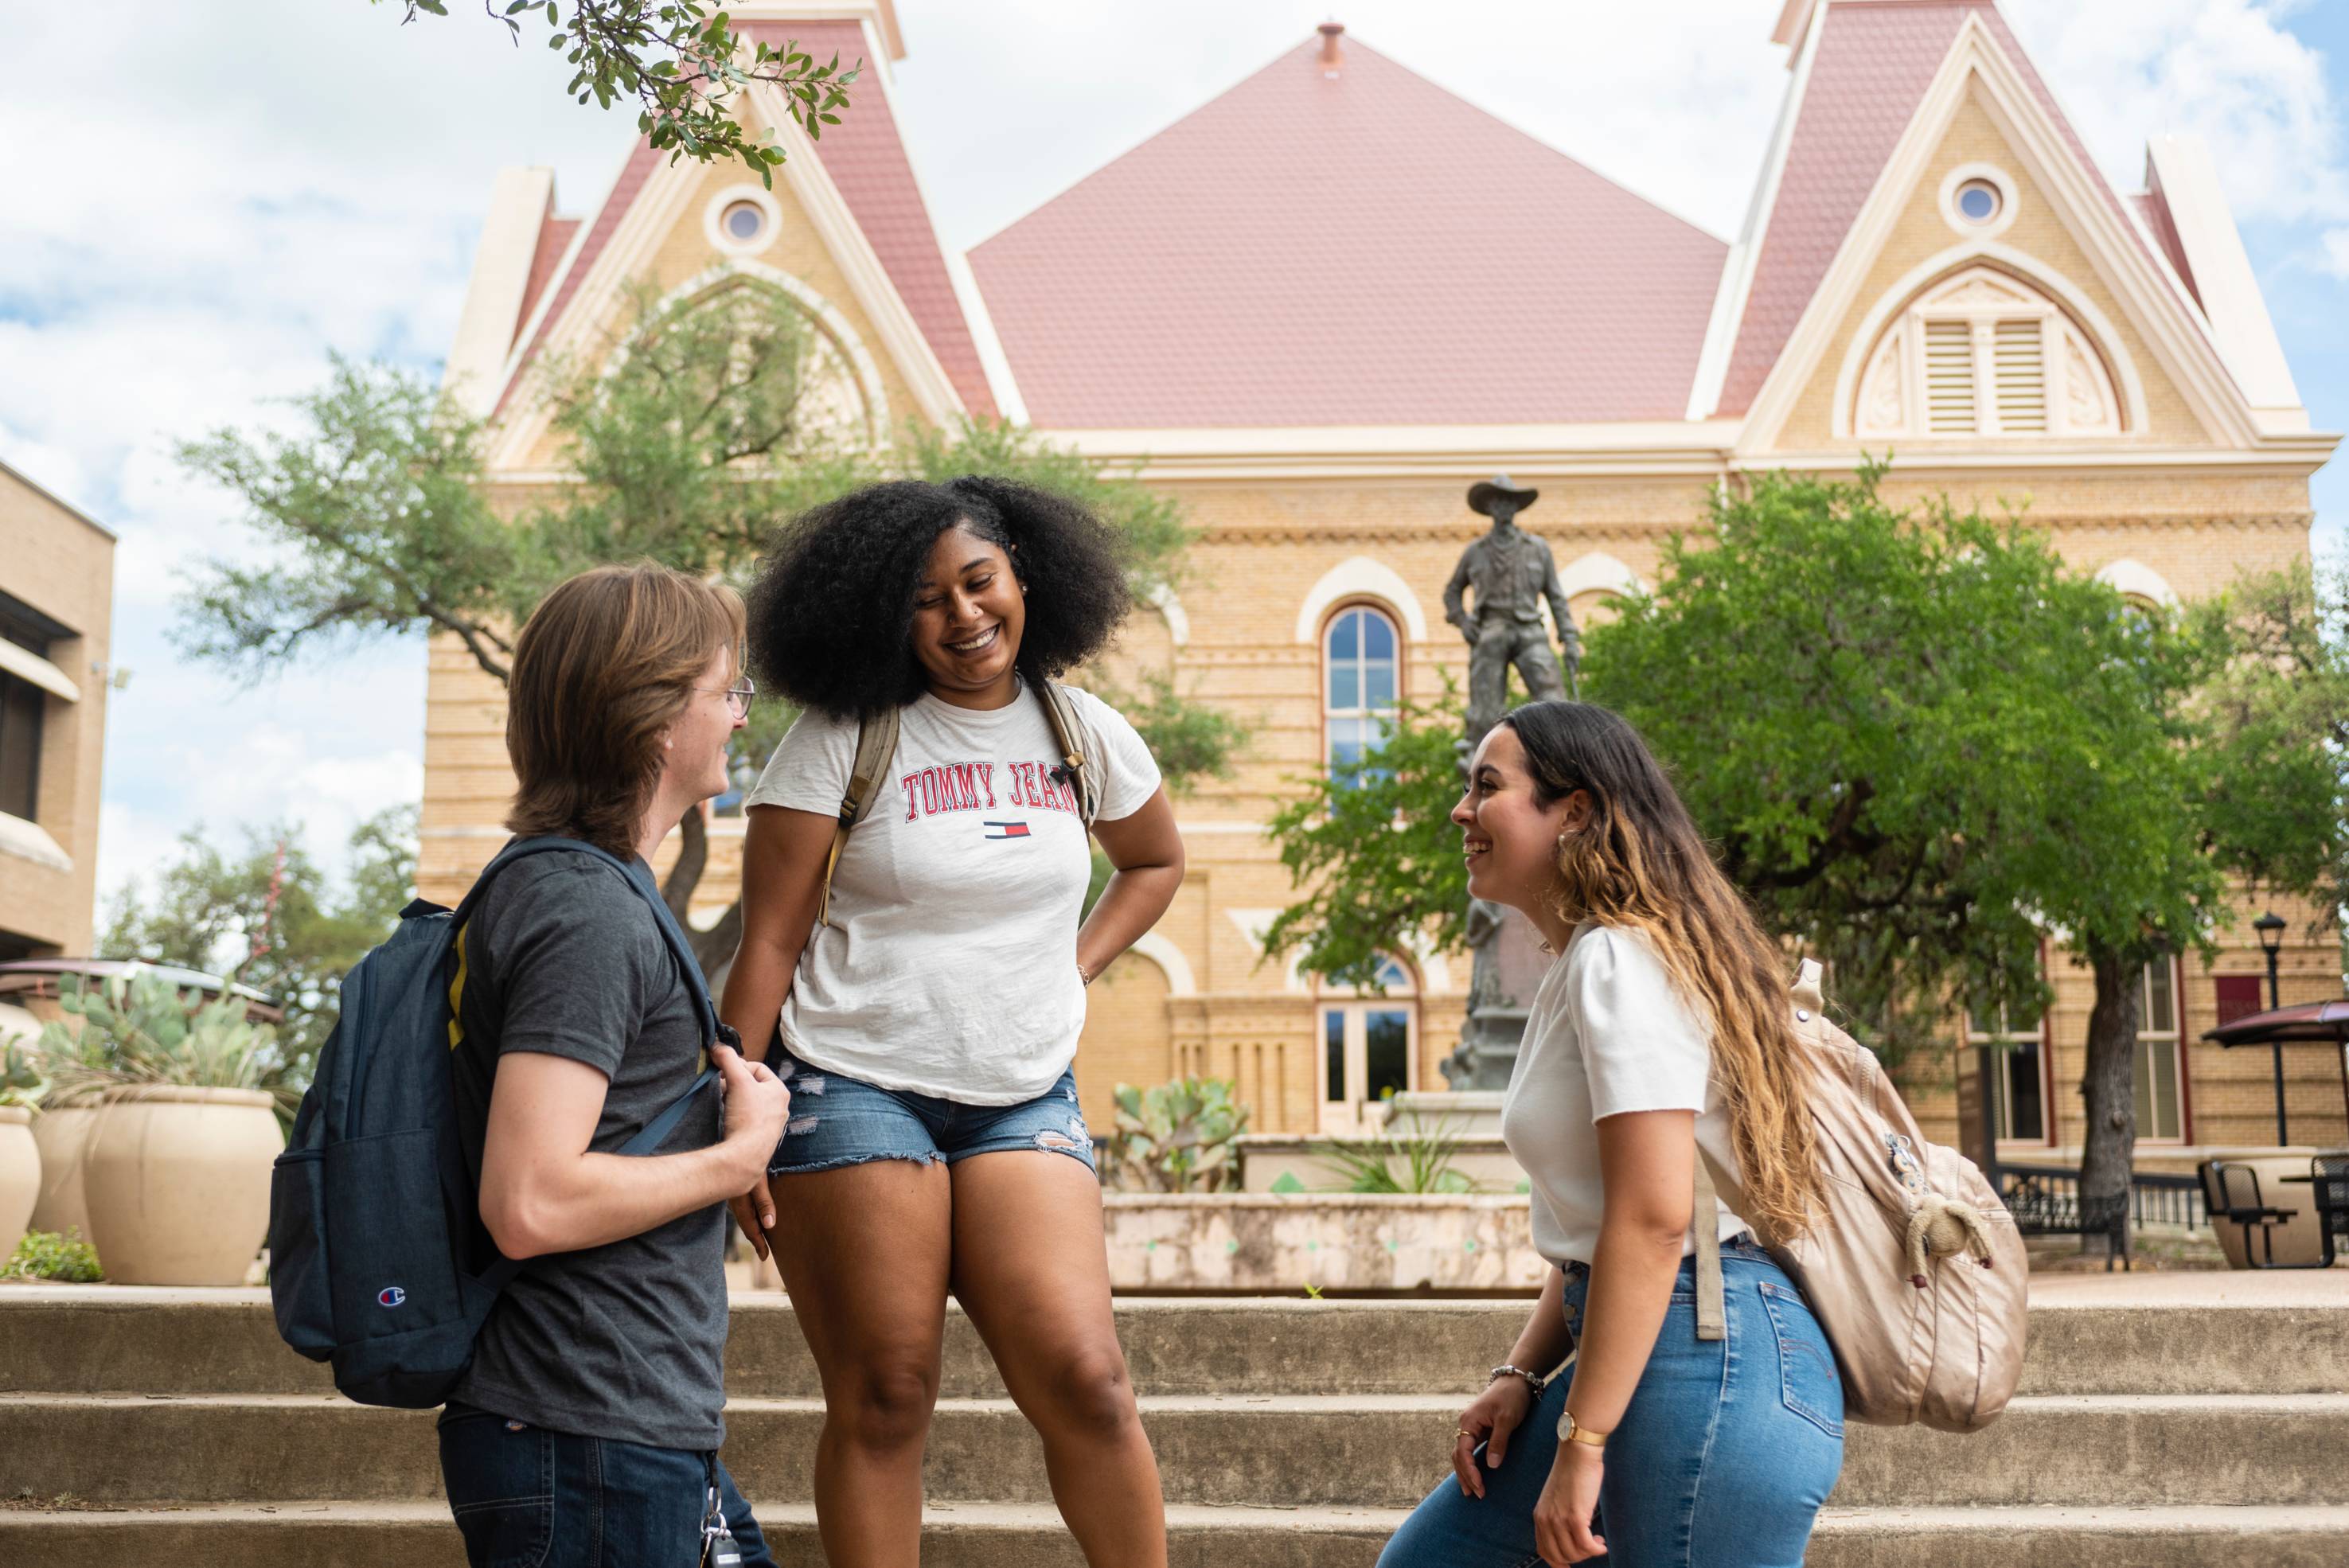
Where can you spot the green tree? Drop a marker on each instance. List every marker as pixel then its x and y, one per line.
pixel 686 67
pixel 1371 845
pixel 2279 707
pixel 685 441
pixel 1869 735
pixel 267 913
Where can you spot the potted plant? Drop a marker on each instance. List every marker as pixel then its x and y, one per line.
pixel 21 1086
pixel 62 1125
pixel 175 1171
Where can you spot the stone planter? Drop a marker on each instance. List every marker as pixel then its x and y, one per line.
pixel 1278 1162
pixel 20 1175
pixel 1242 1243
pixel 63 1132
pixel 178 1183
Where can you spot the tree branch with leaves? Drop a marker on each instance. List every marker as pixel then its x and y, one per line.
pixel 686 66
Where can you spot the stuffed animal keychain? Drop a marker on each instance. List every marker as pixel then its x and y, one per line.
pixel 1938 1228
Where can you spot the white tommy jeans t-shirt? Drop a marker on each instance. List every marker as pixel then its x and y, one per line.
pixel 1609 1033
pixel 949 968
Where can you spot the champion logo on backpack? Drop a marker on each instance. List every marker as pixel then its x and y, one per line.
pixel 390 1296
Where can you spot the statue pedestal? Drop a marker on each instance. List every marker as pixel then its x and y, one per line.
pixel 1464 1113
pixel 1508 969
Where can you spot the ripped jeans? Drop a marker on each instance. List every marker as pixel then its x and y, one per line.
pixel 838 1121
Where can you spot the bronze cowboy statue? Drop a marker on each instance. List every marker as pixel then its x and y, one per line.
pixel 1512 573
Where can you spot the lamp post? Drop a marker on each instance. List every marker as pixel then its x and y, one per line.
pixel 2271 929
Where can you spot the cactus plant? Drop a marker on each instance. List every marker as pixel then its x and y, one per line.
pixel 1176 1137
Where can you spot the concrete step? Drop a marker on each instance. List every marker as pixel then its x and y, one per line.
pixel 99 1338
pixel 1301 1450
pixel 419 1535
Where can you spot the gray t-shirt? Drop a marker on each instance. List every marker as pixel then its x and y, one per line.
pixel 625 1340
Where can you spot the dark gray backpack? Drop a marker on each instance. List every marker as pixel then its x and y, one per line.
pixel 377 1259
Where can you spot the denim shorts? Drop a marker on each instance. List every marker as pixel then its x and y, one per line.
pixel 837 1120
pixel 1723 1459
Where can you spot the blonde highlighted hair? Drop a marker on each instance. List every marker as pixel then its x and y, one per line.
pixel 1639 864
pixel 602 669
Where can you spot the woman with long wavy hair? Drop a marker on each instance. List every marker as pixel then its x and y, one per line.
pixel 1661 1036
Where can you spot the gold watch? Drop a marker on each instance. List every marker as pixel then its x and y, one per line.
pixel 1570 1430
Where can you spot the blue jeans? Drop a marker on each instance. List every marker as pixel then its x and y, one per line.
pixel 528 1498
pixel 838 1120
pixel 1722 1460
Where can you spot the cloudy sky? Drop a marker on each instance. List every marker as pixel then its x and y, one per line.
pixel 220 194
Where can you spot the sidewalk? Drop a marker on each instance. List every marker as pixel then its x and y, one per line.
pixel 2199 1287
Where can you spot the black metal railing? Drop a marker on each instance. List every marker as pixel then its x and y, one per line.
pixel 2045 1201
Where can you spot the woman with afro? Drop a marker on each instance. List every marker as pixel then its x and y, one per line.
pixel 926 1025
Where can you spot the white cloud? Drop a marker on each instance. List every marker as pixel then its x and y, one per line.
pixel 2336 252
pixel 2226 71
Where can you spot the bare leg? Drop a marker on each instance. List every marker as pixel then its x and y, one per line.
pixel 864 1251
pixel 1031 1269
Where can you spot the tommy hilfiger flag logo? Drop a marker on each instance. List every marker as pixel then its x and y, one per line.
pixel 1007 830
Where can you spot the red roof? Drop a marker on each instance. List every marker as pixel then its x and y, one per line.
pixel 2153 206
pixel 554 238
pixel 1361 250
pixel 1872 67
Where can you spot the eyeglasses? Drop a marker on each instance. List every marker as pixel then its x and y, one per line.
pixel 738 696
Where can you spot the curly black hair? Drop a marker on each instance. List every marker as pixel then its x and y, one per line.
pixel 832 612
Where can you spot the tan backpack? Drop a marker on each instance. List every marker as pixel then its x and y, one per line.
pixel 1920 1334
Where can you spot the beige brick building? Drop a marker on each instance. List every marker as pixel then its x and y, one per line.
pixel 1320 306
pixel 56 597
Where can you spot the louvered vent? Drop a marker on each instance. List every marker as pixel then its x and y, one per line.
pixel 2019 363
pixel 1948 376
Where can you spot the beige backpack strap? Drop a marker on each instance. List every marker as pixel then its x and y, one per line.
pixel 1704 1222
pixel 877 746
pixel 1711 1310
pixel 1069 736
pixel 1808 994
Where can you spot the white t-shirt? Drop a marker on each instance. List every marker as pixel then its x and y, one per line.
pixel 1607 1033
pixel 950 966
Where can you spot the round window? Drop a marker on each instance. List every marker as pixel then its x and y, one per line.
pixel 743 221
pixel 1978 201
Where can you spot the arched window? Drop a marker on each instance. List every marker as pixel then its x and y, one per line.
pixel 1984 353
pixel 1360 672
pixel 1369 1049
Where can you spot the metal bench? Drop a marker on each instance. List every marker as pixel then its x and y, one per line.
pixel 2329 1175
pixel 2234 1196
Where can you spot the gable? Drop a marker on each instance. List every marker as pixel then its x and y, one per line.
pixel 1981 91
pixel 2047 258
pixel 672 247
